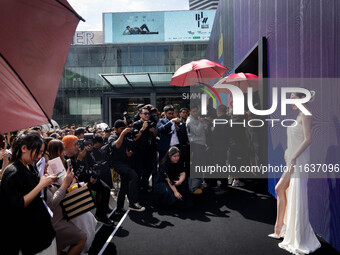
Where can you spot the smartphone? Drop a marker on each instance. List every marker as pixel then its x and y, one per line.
pixel 69 164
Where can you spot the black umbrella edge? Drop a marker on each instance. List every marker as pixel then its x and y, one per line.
pixel 76 14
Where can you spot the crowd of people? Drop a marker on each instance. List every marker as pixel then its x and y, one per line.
pixel 147 145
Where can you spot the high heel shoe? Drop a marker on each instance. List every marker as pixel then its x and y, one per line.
pixel 281 235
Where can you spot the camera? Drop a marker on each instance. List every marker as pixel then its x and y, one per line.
pixel 88 140
pixel 132 135
pixel 152 122
pixel 127 118
pixel 108 130
pixel 130 139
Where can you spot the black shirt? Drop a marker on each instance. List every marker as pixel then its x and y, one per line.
pixel 146 140
pixel 119 155
pixel 28 229
pixel 171 171
pixel 182 133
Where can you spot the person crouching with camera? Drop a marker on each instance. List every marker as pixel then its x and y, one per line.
pixel 122 163
pixel 85 172
pixel 144 147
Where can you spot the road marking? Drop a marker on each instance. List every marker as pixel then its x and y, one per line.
pixel 101 224
pixel 114 232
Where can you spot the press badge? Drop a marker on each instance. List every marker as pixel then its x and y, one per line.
pixel 48 209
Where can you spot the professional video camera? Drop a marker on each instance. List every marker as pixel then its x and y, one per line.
pixel 88 140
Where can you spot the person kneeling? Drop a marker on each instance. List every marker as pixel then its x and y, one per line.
pixel 171 186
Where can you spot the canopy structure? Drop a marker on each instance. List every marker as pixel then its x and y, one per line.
pixel 35 40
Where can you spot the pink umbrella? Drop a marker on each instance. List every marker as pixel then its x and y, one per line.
pixel 241 80
pixel 36 37
pixel 197 72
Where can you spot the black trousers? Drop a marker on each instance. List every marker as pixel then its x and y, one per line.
pixel 105 175
pixel 104 192
pixel 165 196
pixel 129 184
pixel 144 164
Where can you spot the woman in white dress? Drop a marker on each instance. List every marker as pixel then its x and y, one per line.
pixel 292 220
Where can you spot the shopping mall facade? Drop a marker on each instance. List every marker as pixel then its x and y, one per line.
pixel 109 73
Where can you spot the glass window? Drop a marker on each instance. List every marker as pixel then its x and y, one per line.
pixel 149 55
pixel 177 102
pixel 136 55
pixel 83 58
pixel 129 105
pixel 122 56
pixel 85 105
pixel 163 55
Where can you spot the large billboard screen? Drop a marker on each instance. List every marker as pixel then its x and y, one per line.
pixel 139 27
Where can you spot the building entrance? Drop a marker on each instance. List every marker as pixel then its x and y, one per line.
pixel 129 105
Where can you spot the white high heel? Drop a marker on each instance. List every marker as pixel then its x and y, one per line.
pixel 281 235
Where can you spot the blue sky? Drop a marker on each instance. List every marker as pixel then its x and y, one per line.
pixel 91 10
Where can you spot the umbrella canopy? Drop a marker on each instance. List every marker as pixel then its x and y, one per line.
pixel 241 80
pixel 36 37
pixel 197 72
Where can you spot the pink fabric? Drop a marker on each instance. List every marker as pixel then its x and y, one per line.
pixel 241 80
pixel 36 37
pixel 197 71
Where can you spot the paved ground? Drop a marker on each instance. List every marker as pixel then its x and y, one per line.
pixel 233 223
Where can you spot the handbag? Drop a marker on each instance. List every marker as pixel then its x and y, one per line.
pixel 77 202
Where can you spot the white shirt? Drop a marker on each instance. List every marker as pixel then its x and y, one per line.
pixel 174 137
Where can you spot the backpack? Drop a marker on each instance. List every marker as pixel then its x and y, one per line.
pixel 107 153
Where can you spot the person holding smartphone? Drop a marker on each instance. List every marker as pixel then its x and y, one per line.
pixel 27 223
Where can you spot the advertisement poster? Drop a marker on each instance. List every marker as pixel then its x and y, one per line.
pixel 140 27
pixel 134 27
pixel 188 26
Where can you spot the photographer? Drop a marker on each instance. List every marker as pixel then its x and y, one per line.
pixel 106 134
pixel 100 163
pixel 122 154
pixel 80 132
pixel 139 107
pixel 144 147
pixel 83 166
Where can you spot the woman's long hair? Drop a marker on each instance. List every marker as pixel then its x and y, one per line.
pixel 32 139
pixel 172 151
pixel 55 148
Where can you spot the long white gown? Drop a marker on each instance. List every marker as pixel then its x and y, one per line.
pixel 299 237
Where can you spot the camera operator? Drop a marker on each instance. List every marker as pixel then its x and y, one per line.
pixel 103 166
pixel 83 166
pixel 144 147
pixel 122 163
